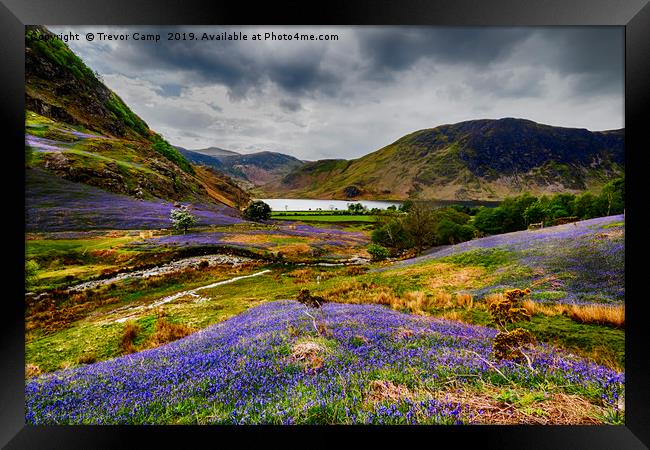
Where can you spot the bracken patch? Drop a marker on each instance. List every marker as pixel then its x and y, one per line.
pixel 381 390
pixel 558 409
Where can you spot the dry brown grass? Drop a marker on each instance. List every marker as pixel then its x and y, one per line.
pixel 356 292
pixel 380 390
pixel 493 298
pixel 452 276
pixel 293 249
pixel 249 238
pixel 131 330
pixel 32 370
pixel 556 409
pixel 416 301
pixel 544 309
pixel 309 275
pixel 442 299
pixel 87 358
pixel 613 315
pixel 309 353
pixel 601 314
pixel 355 270
pixel 465 300
pixel 167 332
pixel 452 315
pixel 302 275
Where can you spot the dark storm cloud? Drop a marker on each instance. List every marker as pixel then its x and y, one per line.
pixel 592 54
pixel 348 97
pixel 391 49
pixel 238 65
pixel 593 57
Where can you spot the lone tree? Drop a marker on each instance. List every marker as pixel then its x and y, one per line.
pixel 257 211
pixel 182 218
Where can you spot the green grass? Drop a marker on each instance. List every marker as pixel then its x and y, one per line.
pixel 489 258
pixel 457 273
pixel 613 225
pixel 605 345
pixel 52 248
pixel 61 260
pixel 324 217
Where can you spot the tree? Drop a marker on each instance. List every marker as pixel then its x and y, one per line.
pixel 182 218
pixel 406 205
pixel 257 211
pixel 419 224
pixel 489 220
pixel 613 195
pixel 391 233
pixel 561 205
pixel 586 206
pixel 356 208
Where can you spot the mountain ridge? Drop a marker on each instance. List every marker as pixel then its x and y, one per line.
pixel 248 170
pixel 483 159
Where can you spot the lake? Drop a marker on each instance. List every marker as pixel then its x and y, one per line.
pixel 299 204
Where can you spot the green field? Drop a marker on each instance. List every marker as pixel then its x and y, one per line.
pixel 324 216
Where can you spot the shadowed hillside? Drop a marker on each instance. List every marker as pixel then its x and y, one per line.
pixel 473 160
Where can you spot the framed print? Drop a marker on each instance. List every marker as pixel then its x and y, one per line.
pixel 384 220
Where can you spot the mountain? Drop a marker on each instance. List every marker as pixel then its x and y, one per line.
pixel 472 160
pixel 250 170
pixel 212 151
pixel 79 130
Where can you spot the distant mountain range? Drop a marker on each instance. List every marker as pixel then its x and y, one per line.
pixel 79 130
pixel 213 151
pixel 473 160
pixel 249 170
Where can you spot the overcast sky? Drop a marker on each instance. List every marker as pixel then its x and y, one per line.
pixel 346 98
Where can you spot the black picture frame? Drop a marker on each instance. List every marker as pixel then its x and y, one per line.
pixel 634 15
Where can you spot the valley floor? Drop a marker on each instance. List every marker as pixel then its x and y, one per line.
pixel 404 342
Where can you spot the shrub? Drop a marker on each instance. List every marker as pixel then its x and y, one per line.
pixel 131 330
pixel 167 332
pixel 87 358
pixel 257 211
pixel 378 252
pixel 510 344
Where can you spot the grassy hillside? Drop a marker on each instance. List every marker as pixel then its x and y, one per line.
pixel 474 160
pixel 78 130
pixel 573 270
pixel 375 366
